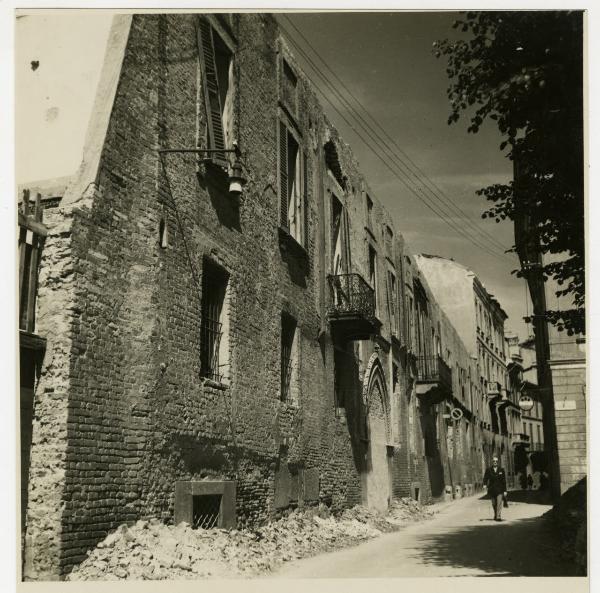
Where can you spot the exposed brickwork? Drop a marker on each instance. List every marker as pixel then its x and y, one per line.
pixel 122 412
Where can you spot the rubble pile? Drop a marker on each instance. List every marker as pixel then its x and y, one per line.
pixel 150 550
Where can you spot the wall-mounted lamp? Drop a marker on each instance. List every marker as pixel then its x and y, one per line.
pixel 236 177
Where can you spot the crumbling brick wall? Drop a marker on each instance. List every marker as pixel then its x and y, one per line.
pixel 122 412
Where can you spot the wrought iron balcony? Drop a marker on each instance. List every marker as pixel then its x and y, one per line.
pixel 432 372
pixel 521 438
pixel 352 307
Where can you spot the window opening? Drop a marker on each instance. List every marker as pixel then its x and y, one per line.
pixel 206 511
pixel 293 186
pixel 214 286
pixel 288 333
pixel 369 212
pixel 290 88
pixel 373 273
pixel 216 62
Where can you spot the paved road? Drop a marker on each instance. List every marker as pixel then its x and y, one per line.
pixel 461 540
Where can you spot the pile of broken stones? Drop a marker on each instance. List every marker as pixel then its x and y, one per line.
pixel 151 550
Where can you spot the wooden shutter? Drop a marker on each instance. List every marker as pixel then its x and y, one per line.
pixel 347 252
pixel 283 175
pixel 210 82
pixel 390 302
pixel 305 198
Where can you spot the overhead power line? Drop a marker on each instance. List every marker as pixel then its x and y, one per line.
pixel 427 199
pixel 413 168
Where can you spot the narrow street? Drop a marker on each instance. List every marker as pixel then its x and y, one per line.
pixel 462 540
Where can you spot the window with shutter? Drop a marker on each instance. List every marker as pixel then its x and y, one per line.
pixel 216 68
pixel 373 276
pixel 293 192
pixel 283 174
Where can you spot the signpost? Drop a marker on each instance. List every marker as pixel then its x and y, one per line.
pixel 525 403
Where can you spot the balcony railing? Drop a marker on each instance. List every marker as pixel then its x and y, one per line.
pixel 493 388
pixel 521 438
pixel 432 369
pixel 352 306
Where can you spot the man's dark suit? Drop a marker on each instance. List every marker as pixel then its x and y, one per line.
pixel 495 480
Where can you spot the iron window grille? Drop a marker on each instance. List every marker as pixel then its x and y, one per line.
pixel 206 511
pixel 214 283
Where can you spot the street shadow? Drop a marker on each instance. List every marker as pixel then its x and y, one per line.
pixel 525 496
pixel 524 547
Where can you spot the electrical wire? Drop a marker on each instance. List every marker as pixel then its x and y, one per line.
pixel 426 200
pixel 420 174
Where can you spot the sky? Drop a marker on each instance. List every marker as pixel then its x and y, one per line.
pixel 384 59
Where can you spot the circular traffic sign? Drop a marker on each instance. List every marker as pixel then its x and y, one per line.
pixel 525 403
pixel 456 413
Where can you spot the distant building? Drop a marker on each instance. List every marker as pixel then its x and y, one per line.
pixel 479 320
pixel 528 441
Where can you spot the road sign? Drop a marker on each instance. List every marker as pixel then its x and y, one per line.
pixel 456 413
pixel 525 403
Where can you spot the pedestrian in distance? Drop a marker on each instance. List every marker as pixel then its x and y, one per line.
pixel 494 480
pixel 529 481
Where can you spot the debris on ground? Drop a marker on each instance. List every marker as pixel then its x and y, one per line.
pixel 151 550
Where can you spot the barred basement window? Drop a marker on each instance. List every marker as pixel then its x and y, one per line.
pixel 206 510
pixel 214 350
pixel 288 355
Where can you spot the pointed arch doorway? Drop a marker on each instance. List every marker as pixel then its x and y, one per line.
pixel 377 482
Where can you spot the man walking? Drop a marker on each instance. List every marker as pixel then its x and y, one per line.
pixel 495 481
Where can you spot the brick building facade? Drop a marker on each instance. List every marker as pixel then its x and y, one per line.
pixel 269 349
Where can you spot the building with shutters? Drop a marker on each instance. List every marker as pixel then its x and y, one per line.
pixel 215 356
pixel 479 320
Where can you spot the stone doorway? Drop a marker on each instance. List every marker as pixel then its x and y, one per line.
pixel 377 481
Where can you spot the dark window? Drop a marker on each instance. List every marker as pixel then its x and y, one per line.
pixel 216 63
pixel 373 274
pixel 338 264
pixel 288 333
pixel 389 240
pixel 293 186
pixel 214 287
pixel 206 510
pixel 369 212
pixel 289 88
pixel 392 305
